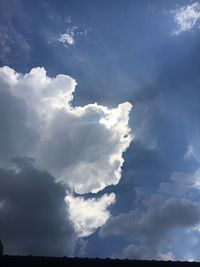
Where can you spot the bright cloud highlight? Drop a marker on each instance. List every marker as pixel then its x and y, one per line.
pixel 91 213
pixel 67 38
pixel 82 146
pixel 187 17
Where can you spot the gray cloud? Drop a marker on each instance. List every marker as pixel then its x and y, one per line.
pixel 33 213
pixel 158 219
pixel 150 227
pixel 16 138
pixel 81 147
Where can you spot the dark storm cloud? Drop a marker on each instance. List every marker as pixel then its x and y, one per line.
pixel 33 213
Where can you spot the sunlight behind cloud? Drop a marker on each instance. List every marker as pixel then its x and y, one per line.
pixel 89 214
pixel 85 156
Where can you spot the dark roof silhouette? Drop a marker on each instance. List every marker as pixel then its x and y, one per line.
pixel 86 262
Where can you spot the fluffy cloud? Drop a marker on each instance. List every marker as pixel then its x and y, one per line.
pixel 33 213
pixel 152 224
pixel 91 213
pixel 81 146
pixel 187 17
pixel 162 216
pixel 152 227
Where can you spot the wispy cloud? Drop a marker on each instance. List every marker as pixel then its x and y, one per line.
pixel 67 38
pixel 14 41
pixel 68 32
pixel 186 18
pixel 190 153
pixel 71 35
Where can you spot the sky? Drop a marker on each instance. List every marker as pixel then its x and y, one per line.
pixel 99 128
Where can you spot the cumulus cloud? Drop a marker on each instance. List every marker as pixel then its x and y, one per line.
pixel 155 219
pixel 81 147
pixel 186 18
pixel 33 213
pixel 151 228
pixel 91 213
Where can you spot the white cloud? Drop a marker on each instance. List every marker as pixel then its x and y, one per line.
pixel 89 214
pixel 193 149
pixel 67 38
pixel 72 34
pixel 190 153
pixel 186 18
pixel 81 146
pixel 196 179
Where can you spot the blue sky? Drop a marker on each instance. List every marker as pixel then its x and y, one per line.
pixel 122 175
